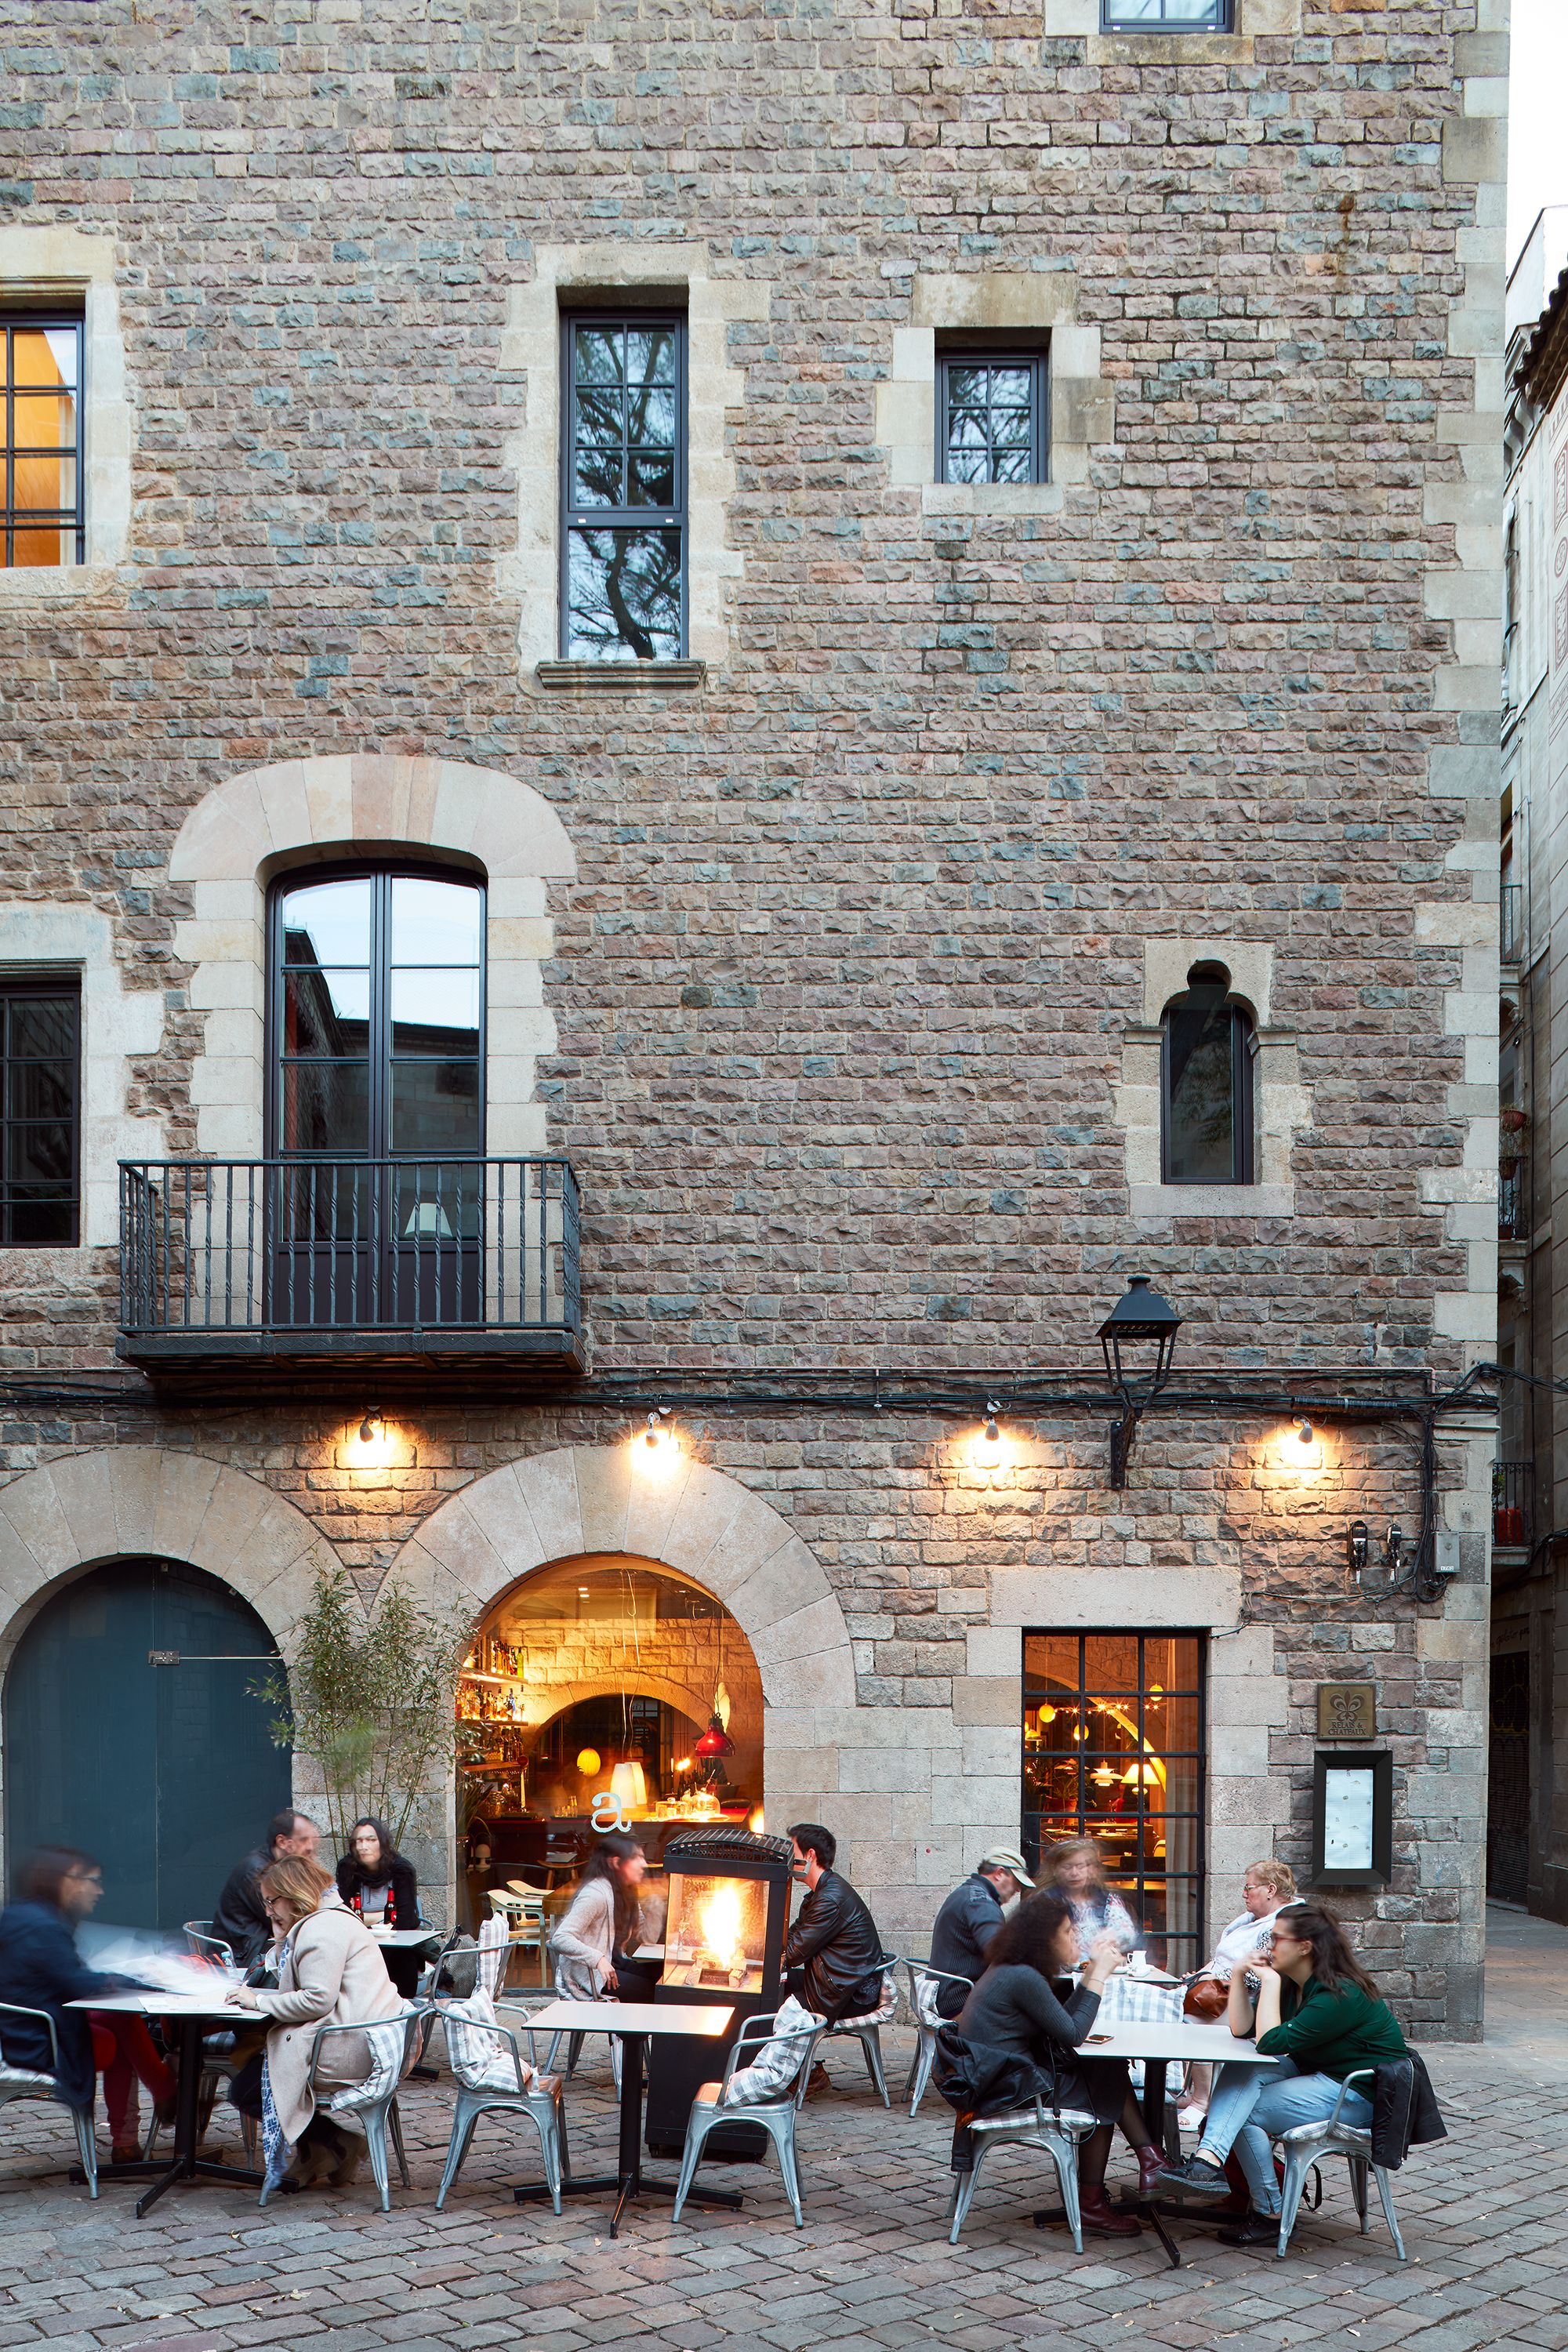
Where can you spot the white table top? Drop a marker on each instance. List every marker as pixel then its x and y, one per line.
pixel 1190 2041
pixel 399 1939
pixel 632 2017
pixel 150 2002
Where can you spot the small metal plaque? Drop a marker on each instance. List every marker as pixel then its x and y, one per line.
pixel 1347 1710
pixel 162 1657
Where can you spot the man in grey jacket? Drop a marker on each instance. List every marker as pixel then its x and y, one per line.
pixel 967 1921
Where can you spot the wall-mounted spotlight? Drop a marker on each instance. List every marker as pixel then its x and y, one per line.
pixel 1303 1432
pixel 988 1445
pixel 655 1445
pixel 371 1428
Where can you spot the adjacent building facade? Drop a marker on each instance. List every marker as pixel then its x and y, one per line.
pixel 707 720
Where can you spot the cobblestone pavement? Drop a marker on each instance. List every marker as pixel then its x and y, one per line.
pixel 208 2270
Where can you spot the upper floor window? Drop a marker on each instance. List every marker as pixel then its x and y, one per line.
pixel 1209 1049
pixel 378 1017
pixel 45 520
pixel 624 541
pixel 39 1112
pixel 990 416
pixel 1167 16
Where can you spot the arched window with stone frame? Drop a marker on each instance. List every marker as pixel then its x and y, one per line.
pixel 1208 1055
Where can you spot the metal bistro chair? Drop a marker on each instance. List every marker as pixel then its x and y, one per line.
pixel 867 2030
pixel 925 1984
pixel 1056 2130
pixel 775 2110
pixel 1305 2144
pixel 393 2042
pixel 205 1945
pixel 522 1908
pixel 23 2082
pixel 219 2065
pixel 485 2056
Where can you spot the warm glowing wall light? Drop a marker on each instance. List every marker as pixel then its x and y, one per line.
pixel 371 1445
pixel 1301 1448
pixel 990 1446
pixel 655 1447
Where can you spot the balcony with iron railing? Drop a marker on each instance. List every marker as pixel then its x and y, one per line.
pixel 1513 1485
pixel 1513 1200
pixel 373 1260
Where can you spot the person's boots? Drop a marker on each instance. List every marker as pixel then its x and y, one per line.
pixel 1103 2220
pixel 1149 2162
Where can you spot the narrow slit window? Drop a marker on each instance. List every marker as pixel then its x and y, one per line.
pixel 45 514
pixel 990 416
pixel 1208 1051
pixel 40 1084
pixel 624 541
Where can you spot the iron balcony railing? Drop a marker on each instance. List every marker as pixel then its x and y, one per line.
pixel 304 1255
pixel 1513 1202
pixel 1511 1484
pixel 1510 928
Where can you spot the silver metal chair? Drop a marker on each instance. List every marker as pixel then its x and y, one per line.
pixel 23 2082
pixel 393 2042
pixel 867 2030
pixel 205 1945
pixel 487 2062
pixel 925 1985
pixel 775 2111
pixel 1305 2144
pixel 1056 2130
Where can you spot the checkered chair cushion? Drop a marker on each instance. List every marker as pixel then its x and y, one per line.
pixel 1125 2000
pixel 387 2040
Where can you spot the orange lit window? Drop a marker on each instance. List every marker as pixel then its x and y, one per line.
pixel 46 523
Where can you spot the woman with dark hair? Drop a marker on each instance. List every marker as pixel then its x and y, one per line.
pixel 1015 2008
pixel 1316 2011
pixel 374 1879
pixel 602 1926
pixel 41 1968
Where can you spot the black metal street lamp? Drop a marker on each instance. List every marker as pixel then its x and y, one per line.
pixel 1138 1337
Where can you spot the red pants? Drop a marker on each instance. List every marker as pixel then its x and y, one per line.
pixel 123 2053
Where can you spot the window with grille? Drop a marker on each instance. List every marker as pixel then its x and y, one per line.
pixel 1114 1740
pixel 39 1093
pixel 1167 15
pixel 990 416
pixel 624 493
pixel 45 517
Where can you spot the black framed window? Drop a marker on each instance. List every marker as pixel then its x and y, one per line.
pixel 1207 1057
pixel 624 487
pixel 1115 1736
pixel 40 1087
pixel 990 416
pixel 45 516
pixel 377 1015
pixel 1167 15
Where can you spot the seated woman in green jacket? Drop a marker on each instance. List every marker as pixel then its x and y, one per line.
pixel 1319 2015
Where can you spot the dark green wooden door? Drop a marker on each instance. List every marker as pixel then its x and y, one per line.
pixel 131 1730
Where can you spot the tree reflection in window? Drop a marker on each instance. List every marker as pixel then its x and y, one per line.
pixel 625 490
pixel 1208 1048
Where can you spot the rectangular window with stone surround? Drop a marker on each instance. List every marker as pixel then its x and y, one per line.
pixel 40 1089
pixel 1114 1741
pixel 45 516
pixel 991 415
pixel 624 487
pixel 1167 16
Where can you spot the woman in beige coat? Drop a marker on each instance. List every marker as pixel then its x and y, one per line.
pixel 331 1971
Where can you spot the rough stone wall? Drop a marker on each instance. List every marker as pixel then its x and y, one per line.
pixel 842 986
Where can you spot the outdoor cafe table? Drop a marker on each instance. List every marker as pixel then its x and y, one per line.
pixel 1187 2042
pixel 634 2021
pixel 192 2012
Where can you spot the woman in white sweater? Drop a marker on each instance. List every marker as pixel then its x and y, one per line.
pixel 331 1971
pixel 601 1926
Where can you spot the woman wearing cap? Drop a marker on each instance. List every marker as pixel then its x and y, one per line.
pixel 963 1928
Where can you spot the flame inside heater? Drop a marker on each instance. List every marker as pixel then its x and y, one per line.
pixel 721 1927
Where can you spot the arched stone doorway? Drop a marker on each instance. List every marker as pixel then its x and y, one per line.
pixel 134 1729
pixel 608 1674
pixel 599 1501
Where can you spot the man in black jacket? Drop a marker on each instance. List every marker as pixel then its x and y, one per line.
pixel 833 1958
pixel 962 1932
pixel 240 1920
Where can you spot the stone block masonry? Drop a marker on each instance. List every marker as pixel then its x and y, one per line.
pixel 834 985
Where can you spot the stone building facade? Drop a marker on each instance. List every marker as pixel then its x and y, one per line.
pixel 833 948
